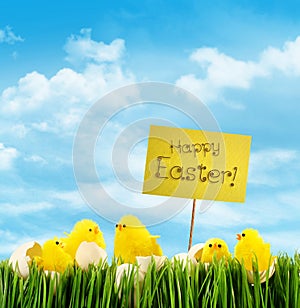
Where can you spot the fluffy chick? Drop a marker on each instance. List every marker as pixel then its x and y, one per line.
pixel 54 258
pixel 214 248
pixel 133 239
pixel 251 246
pixel 84 230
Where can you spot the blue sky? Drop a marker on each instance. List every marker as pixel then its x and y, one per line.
pixel 241 58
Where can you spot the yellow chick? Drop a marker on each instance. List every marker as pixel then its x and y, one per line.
pixel 214 248
pixel 54 258
pixel 251 246
pixel 133 239
pixel 84 230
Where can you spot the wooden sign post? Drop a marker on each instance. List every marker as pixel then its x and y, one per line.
pixel 192 224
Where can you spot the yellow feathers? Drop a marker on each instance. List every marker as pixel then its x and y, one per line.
pixel 214 248
pixel 133 239
pixel 84 230
pixel 54 258
pixel 250 247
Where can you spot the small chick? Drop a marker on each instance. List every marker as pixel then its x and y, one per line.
pixel 84 230
pixel 54 258
pixel 214 248
pixel 133 239
pixel 251 246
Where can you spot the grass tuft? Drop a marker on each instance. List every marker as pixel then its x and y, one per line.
pixel 220 284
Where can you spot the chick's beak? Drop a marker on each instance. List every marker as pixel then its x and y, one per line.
pixel 96 230
pixel 120 227
pixel 215 246
pixel 238 237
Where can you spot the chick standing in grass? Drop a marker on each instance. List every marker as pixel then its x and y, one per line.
pixel 133 239
pixel 251 247
pixel 54 258
pixel 214 248
pixel 84 230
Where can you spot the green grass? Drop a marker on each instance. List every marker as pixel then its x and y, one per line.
pixel 222 284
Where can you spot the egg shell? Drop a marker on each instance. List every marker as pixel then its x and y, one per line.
pixel 185 260
pixel 53 276
pixel 263 274
pixel 23 255
pixel 144 262
pixel 128 269
pixel 90 253
pixel 196 251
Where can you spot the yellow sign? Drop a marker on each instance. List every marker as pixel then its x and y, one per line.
pixel 196 164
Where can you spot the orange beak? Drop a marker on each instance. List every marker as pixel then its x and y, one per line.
pixel 215 245
pixel 238 237
pixel 120 227
pixel 96 230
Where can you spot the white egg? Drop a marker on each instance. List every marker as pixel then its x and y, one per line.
pixel 185 260
pixel 144 262
pixel 23 255
pixel 263 274
pixel 127 270
pixel 53 276
pixel 196 251
pixel 90 253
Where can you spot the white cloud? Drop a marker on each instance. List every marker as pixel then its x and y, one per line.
pixel 7 156
pixel 24 208
pixel 222 71
pixel 20 130
pixel 50 200
pixel 8 36
pixel 267 166
pixel 200 87
pixel 71 86
pixel 14 55
pixel 67 121
pixel 71 198
pixel 290 198
pixel 58 103
pixel 283 241
pixel 36 159
pixel 30 94
pixel 285 60
pixel 216 214
pixel 225 71
pixel 9 241
pixel 43 127
pixel 82 48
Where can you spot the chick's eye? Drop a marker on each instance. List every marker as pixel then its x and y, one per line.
pixel 124 226
pixel 117 225
pixel 243 234
pixel 90 229
pixel 210 245
pixel 57 242
pixel 219 245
